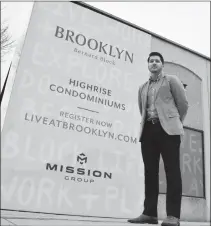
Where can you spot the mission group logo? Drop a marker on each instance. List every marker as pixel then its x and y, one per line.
pixel 82 158
pixel 79 174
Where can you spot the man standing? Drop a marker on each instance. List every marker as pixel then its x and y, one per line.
pixel 163 105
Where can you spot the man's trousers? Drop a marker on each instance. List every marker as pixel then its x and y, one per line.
pixel 155 142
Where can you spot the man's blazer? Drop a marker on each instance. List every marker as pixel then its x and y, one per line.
pixel 170 102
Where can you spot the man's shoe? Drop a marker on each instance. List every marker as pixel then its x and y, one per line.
pixel 171 221
pixel 144 219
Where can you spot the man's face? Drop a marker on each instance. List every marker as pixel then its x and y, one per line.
pixel 155 64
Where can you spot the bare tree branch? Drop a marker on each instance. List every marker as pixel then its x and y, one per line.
pixel 6 40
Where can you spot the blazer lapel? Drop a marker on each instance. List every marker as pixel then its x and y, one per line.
pixel 145 98
pixel 159 85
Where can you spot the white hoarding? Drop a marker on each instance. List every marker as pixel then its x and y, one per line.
pixel 69 142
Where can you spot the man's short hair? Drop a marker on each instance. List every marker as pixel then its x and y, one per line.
pixel 156 54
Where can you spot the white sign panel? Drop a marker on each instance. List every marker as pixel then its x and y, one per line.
pixel 70 138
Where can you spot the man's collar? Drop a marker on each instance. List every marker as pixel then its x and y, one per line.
pixel 158 78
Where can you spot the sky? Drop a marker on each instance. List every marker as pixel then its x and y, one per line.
pixel 187 23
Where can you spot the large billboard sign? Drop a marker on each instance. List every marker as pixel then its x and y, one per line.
pixel 70 137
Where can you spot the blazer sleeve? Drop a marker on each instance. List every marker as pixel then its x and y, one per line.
pixel 179 95
pixel 140 99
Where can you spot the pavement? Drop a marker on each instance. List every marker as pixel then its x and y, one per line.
pixel 37 219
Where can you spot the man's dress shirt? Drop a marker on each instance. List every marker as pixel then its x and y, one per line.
pixel 152 92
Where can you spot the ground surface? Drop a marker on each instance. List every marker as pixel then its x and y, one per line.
pixel 34 219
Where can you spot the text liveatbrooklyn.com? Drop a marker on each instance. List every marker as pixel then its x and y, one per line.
pixel 32 118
